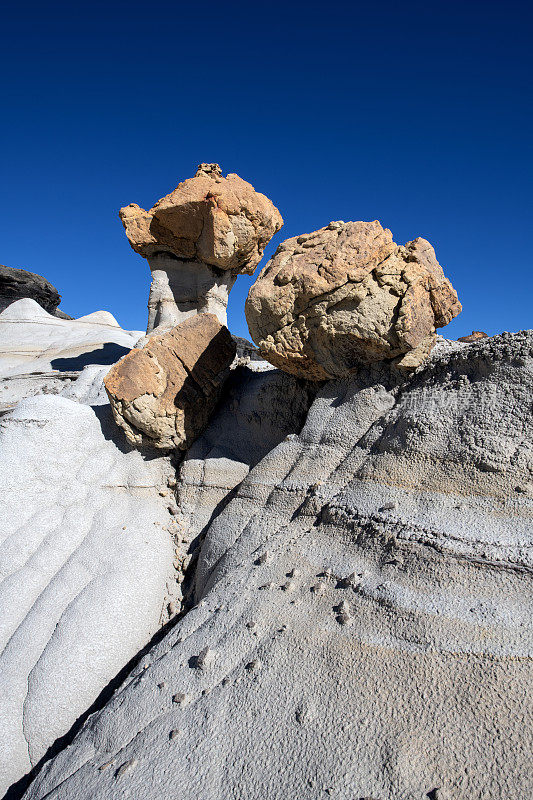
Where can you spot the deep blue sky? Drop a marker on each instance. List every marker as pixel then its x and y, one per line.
pixel 416 114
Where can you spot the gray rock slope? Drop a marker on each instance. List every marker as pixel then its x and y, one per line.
pixel 86 569
pixel 361 626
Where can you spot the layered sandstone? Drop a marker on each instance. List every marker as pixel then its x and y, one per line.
pixel 347 295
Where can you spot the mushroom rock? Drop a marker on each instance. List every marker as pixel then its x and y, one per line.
pixel 163 394
pixel 197 240
pixel 346 295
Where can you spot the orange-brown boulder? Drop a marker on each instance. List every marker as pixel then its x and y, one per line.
pixel 345 295
pixel 163 395
pixel 475 336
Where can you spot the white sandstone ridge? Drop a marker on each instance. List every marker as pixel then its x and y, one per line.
pixel 197 240
pixel 86 568
pixel 363 599
pixel 41 353
pixel 31 340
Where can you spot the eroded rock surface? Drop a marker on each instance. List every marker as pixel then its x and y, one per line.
pixel 163 394
pixel 41 354
pixel 362 626
pixel 197 240
pixel 86 569
pixel 347 295
pixel 259 408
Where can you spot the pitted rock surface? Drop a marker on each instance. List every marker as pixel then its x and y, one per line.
pixel 163 394
pixel 346 295
pixel 220 221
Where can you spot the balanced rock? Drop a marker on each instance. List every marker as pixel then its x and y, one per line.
pixel 346 294
pixel 163 395
pixel 16 284
pixel 197 240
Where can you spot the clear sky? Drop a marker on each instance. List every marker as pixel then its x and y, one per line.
pixel 416 114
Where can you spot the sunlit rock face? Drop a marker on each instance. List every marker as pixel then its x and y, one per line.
pixel 86 564
pixel 163 394
pixel 197 240
pixel 347 295
pixel 43 354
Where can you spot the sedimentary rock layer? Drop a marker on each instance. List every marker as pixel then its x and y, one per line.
pixel 86 564
pixel 363 607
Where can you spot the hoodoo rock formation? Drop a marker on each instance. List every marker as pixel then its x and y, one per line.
pixel 346 294
pixel 300 589
pixel 163 395
pixel 197 240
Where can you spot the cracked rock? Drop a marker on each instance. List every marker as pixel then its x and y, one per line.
pixel 347 295
pixel 163 395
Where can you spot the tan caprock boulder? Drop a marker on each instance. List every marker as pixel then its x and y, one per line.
pixel 346 294
pixel 163 395
pixel 197 240
pixel 475 336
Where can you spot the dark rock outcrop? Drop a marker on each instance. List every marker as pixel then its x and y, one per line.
pixel 16 284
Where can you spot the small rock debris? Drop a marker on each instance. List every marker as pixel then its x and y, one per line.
pixel 290 586
pixel 344 614
pixel 106 765
pixel 294 573
pixel 205 658
pixel 127 766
